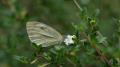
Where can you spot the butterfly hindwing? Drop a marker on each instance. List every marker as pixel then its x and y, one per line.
pixel 43 34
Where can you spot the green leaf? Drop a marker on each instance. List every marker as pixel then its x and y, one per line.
pixel 22 59
pixel 101 39
pixel 47 56
pixel 43 65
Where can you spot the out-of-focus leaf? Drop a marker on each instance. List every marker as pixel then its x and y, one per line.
pixel 43 65
pixel 101 39
pixel 22 59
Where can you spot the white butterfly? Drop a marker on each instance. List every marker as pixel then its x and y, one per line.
pixel 42 34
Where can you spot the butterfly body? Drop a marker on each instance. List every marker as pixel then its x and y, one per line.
pixel 42 34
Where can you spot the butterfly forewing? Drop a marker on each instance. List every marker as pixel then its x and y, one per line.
pixel 43 34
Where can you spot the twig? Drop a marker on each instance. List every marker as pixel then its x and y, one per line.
pixel 97 49
pixel 78 6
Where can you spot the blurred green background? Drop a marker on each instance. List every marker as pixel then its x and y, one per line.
pixel 59 14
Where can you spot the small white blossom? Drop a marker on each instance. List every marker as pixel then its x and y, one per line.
pixel 69 39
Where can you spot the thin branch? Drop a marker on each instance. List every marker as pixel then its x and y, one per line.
pixel 97 49
pixel 78 6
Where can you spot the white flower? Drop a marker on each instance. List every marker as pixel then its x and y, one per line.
pixel 69 39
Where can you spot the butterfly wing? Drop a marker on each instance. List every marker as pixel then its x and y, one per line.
pixel 42 34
